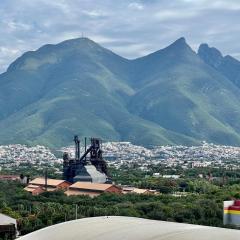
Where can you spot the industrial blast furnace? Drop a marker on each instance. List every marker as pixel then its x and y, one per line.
pixel 90 167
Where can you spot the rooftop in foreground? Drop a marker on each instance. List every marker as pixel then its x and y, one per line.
pixel 129 228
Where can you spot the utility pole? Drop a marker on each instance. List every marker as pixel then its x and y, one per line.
pixel 46 177
pixel 76 211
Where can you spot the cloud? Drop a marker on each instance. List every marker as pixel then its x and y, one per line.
pixel 214 4
pixel 167 15
pixel 135 6
pixel 133 50
pixel 19 26
pixel 94 13
pixel 6 54
pixel 223 5
pixel 235 54
pixel 132 28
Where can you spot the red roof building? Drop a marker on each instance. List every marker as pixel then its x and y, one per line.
pixel 34 189
pixel 91 189
pixel 38 185
pixel 9 177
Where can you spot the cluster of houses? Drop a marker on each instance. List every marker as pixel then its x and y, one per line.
pixel 40 185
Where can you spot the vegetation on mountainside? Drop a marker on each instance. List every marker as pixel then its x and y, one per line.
pixel 78 87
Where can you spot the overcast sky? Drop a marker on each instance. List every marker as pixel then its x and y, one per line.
pixel 129 28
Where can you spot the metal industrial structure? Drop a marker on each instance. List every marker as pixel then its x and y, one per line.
pixel 90 167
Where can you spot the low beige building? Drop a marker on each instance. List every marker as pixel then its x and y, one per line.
pixel 34 189
pixel 39 185
pixel 91 189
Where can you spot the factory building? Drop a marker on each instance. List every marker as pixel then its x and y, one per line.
pixel 88 174
pixel 39 185
pixel 34 189
pixel 231 213
pixel 9 178
pixel 91 189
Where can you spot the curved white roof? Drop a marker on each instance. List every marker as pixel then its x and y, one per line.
pixel 129 228
pixel 4 219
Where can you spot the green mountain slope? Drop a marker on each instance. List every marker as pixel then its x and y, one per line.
pixel 78 87
pixel 185 95
pixel 228 66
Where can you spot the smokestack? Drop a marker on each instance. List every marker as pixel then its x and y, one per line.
pixel 78 150
pixel 77 147
pixel 85 140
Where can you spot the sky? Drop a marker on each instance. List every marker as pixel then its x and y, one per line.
pixel 130 28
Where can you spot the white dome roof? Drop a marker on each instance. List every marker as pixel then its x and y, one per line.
pixel 129 228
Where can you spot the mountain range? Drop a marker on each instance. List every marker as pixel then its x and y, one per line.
pixel 172 96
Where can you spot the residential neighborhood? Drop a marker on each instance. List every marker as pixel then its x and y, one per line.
pixel 119 154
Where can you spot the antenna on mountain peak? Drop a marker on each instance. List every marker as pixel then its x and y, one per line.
pixel 82 35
